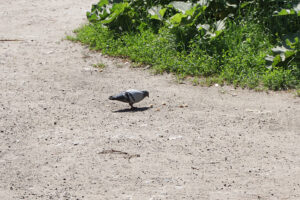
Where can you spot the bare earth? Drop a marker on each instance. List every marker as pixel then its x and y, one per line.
pixel 61 138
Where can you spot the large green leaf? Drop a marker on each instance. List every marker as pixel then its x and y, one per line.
pixel 231 5
pixel 244 4
pixel 102 3
pixel 116 11
pixel 157 12
pixel 220 25
pixel 181 6
pixel 297 8
pixel 99 11
pixel 203 26
pixel 286 12
pixel 276 60
pixel 92 16
pixel 177 18
pixel 203 2
pixel 288 51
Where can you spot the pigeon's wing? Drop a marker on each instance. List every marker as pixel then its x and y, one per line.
pixel 135 95
pixel 120 97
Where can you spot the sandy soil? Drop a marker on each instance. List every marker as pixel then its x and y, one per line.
pixel 61 138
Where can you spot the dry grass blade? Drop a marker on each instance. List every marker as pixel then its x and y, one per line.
pixel 10 40
pixel 126 155
pixel 112 151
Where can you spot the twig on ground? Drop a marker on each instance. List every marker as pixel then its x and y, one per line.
pixel 126 155
pixel 207 163
pixel 10 40
pixel 112 151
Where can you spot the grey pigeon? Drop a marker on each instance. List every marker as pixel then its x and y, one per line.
pixel 130 96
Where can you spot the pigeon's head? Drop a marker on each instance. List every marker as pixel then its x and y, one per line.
pixel 146 93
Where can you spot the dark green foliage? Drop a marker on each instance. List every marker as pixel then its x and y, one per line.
pixel 228 40
pixel 280 79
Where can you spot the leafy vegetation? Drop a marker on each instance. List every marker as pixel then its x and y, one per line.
pixel 246 43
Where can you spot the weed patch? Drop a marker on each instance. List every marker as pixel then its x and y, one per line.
pixel 99 65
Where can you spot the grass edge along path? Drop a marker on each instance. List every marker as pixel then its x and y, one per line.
pixel 237 58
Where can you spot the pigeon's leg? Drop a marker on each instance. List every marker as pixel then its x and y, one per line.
pixel 131 105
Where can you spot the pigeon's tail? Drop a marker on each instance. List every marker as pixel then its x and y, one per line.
pixel 112 98
pixel 119 97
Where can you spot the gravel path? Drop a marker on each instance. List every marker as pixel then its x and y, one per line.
pixel 61 138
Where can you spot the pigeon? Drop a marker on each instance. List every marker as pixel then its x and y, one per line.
pixel 130 96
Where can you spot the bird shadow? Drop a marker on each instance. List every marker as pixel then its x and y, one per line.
pixel 141 109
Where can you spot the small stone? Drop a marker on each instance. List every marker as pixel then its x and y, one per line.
pixel 75 143
pixel 174 137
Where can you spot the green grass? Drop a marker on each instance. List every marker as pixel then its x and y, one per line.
pixel 99 65
pixel 298 93
pixel 236 57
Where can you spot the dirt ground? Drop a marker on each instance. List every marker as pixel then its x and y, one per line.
pixel 61 138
